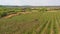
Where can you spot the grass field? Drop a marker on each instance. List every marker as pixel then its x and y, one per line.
pixel 32 23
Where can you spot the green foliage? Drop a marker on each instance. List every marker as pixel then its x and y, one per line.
pixel 7 11
pixel 3 14
pixel 1 6
pixel 26 9
pixel 42 10
pixel 12 12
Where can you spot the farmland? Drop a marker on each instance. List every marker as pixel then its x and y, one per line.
pixel 34 22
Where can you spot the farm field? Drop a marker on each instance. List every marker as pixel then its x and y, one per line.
pixel 32 23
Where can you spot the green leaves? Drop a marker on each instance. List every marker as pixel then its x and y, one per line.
pixel 42 10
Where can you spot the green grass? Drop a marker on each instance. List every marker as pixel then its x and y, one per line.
pixel 33 23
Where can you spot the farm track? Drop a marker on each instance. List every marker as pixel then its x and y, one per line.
pixel 19 13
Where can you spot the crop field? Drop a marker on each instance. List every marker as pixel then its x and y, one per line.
pixel 32 23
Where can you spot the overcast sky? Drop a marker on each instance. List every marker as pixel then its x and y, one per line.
pixel 30 2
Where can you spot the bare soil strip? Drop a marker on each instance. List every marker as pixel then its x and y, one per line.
pixel 9 16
